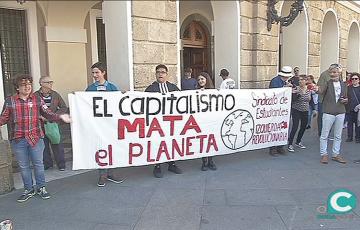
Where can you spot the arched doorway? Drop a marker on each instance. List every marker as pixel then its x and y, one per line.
pixel 329 52
pixel 196 52
pixel 297 33
pixel 353 48
pixel 221 19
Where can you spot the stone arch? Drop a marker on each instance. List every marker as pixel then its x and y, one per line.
pixel 198 18
pixel 353 58
pixel 194 48
pixel 329 51
pixel 297 33
pixel 225 33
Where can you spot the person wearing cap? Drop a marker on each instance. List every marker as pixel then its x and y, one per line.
pixel 56 103
pixel 322 82
pixel 161 85
pixel 227 82
pixel 188 83
pixel 281 80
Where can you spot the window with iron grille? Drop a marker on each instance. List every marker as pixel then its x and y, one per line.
pixel 13 47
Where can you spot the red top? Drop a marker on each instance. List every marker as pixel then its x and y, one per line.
pixel 23 116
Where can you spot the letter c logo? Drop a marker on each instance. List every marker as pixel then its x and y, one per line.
pixel 341 201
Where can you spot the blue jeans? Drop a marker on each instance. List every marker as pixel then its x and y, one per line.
pixel 327 122
pixel 24 152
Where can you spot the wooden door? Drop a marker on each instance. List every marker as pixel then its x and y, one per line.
pixel 196 54
pixel 196 59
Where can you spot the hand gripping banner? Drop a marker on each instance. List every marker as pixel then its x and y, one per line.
pixel 114 129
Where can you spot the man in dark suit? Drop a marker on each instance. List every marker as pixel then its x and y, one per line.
pixel 161 85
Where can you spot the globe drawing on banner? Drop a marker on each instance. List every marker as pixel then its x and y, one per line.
pixel 237 129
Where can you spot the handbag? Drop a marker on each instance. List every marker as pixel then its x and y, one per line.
pixel 52 132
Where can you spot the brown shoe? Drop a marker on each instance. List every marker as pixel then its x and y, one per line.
pixel 339 159
pixel 324 159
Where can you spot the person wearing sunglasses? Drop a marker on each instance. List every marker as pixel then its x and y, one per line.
pixel 354 100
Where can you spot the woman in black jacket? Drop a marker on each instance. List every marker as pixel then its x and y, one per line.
pixel 354 97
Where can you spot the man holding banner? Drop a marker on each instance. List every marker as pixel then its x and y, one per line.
pixel 281 80
pixel 161 85
pixel 142 128
pixel 101 84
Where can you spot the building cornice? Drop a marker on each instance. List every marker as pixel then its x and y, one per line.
pixel 351 5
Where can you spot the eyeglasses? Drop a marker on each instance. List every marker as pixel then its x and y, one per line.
pixel 355 78
pixel 50 82
pixel 161 72
pixel 25 84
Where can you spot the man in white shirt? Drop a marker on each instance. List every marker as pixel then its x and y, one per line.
pixel 227 82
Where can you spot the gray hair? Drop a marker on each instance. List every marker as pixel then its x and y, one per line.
pixel 42 78
pixel 335 66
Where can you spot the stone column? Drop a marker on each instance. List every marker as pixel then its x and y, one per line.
pixel 259 46
pixel 117 19
pixel 6 174
pixel 154 40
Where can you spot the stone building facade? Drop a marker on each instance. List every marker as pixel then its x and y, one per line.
pixel 63 38
pixel 262 47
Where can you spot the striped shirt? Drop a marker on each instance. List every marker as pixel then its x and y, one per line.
pixel 47 99
pixel 301 100
pixel 163 87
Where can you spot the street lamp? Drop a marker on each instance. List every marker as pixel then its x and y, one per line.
pixel 272 16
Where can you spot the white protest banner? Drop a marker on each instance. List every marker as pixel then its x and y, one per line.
pixel 114 129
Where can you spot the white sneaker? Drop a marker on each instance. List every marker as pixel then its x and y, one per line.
pixel 300 145
pixel 291 148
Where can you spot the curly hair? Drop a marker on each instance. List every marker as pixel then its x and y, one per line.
pixel 21 77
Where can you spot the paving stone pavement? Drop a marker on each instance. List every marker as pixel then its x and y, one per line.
pixel 249 191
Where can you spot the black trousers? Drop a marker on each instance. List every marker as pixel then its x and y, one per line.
pixel 58 150
pixel 169 163
pixel 297 117
pixel 352 120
